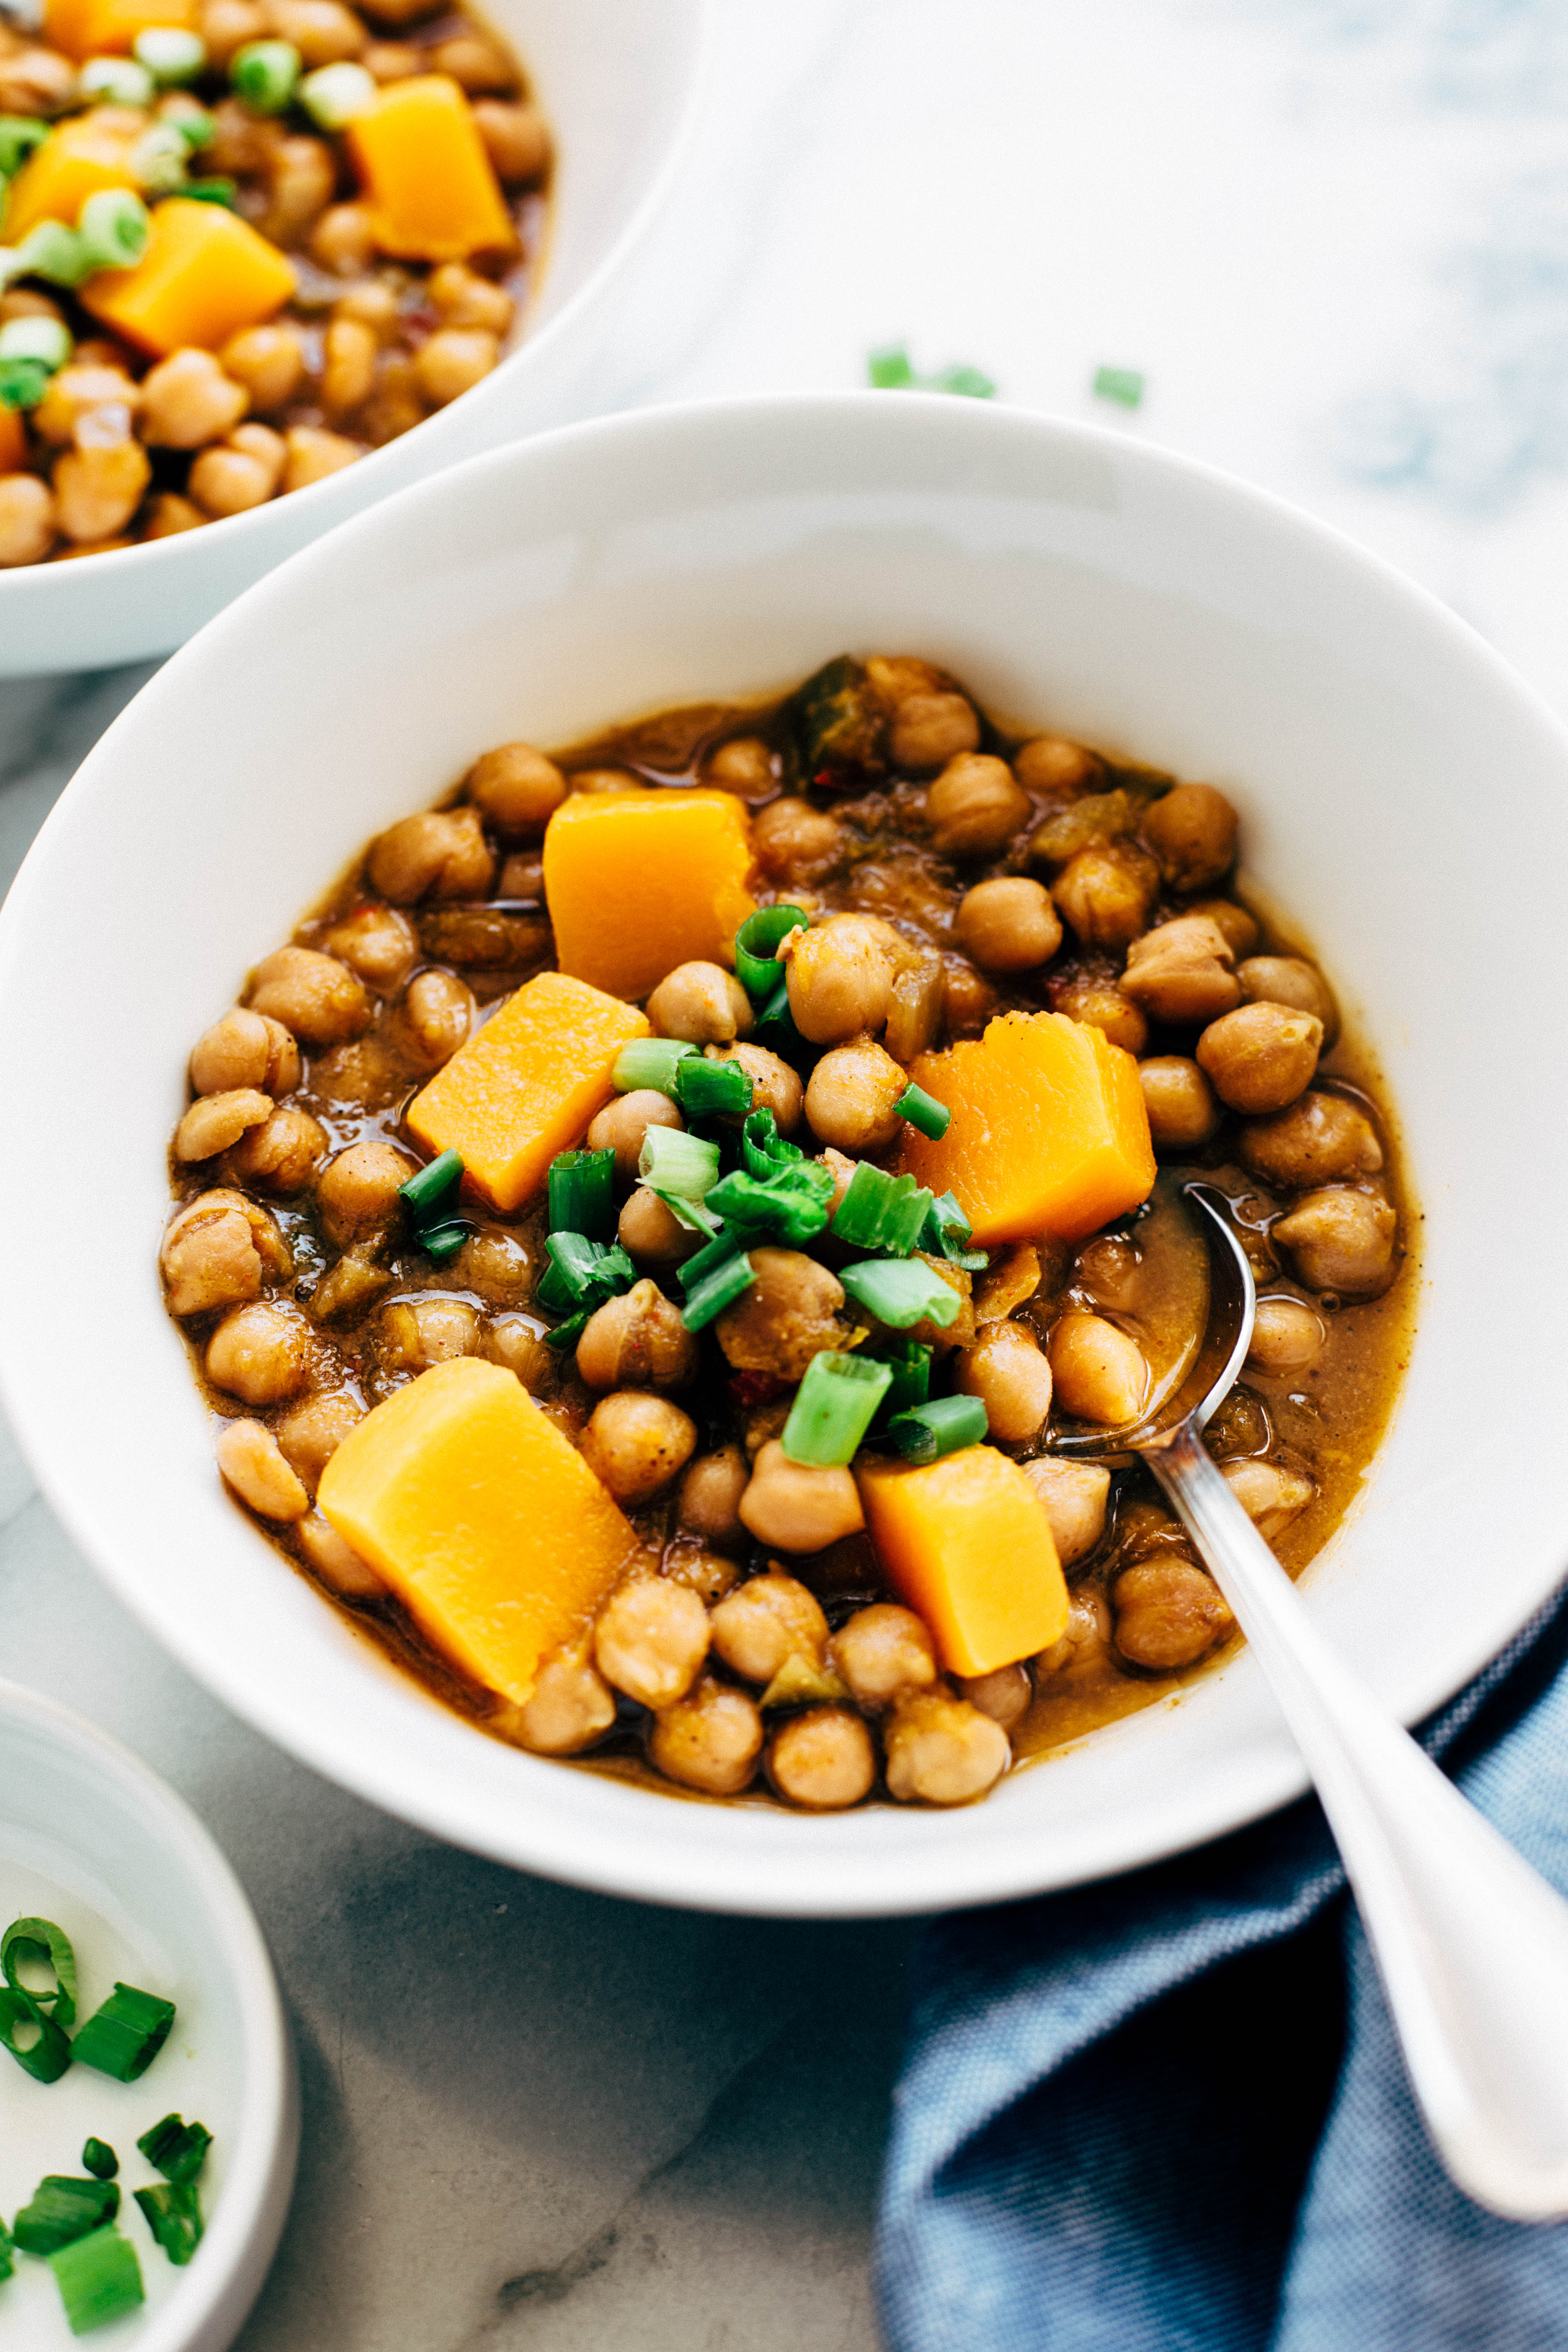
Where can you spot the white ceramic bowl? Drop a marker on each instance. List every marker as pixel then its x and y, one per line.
pixel 129 1868
pixel 621 83
pixel 1401 794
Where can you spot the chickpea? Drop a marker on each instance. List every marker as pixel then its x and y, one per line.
pixel 270 361
pixel 453 361
pixel 498 1267
pixel 418 1332
pixel 337 1563
pixel 942 1752
pixel 28 521
pixel 323 31
pixel 701 1003
pixel 440 853
pixel 387 61
pixel 823 1761
pixel 929 729
pixel 242 144
pixel 357 1193
pixel 314 996
pixel 796 1508
pixel 249 1457
pixel 1286 1335
pixel 1240 929
pixel 788 1314
pixel 517 140
pixel 881 1652
pixel 797 842
pixel 1270 1494
pixel 227 24
pixel 516 787
pixel 437 1016
pixel 636 1444
pixel 774 1085
pixel 766 1622
pixel 169 514
pixel 1192 832
pixel 851 1096
pixel 187 400
pixel 1049 763
pixel 711 1495
pixel 568 1708
pixel 348 374
pixel 245 1049
pixel 302 179
pixel 311 1431
pixel 1106 893
pixel 1008 924
pixel 260 442
pixel 605 779
pixel 1342 1240
pixel 374 305
pixel 1100 1372
pixel 1003 1694
pixel 708 1573
pixel 283 1152
pixel 710 1740
pixel 215 1250
pixel 968 1000
pixel 377 943
pixel 974 808
pixel 313 454
pixel 513 1342
pixel 225 481
pixel 463 298
pixel 97 491
pixel 476 65
pixel 80 390
pixel 622 1125
pixel 260 1352
pixel 650 1233
pixel 35 80
pixel 1261 1056
pixel 1181 971
pixel 214 1123
pixel 1182 1112
pixel 1289 981
pixel 840 978
pixel 1168 1614
pixel 638 1341
pixel 650 1639
pixel 1005 1369
pixel 522 876
pixel 1073 1496
pixel 1320 1138
pixel 1087 1635
pixel 344 240
pixel 744 766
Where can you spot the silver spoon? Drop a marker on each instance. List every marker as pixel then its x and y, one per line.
pixel 1470 1942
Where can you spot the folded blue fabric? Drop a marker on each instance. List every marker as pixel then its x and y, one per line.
pixel 1169 2112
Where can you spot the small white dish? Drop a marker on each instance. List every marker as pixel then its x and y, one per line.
pixel 1401 794
pixel 92 1839
pixel 621 82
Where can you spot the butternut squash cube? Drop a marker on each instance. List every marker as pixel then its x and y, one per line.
pixel 639 882
pixel 426 174
pixel 106 29
pixel 1048 1132
pixel 966 1542
pixel 74 163
pixel 527 1085
pixel 485 1520
pixel 13 442
pixel 206 274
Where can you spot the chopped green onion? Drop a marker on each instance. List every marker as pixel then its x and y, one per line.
pixel 1124 385
pixel 100 2279
pixel 7 2248
pixel 99 2158
pixel 48 340
pixel 789 1206
pixel 23 382
pixel 336 95
pixel 114 226
pixel 582 1273
pixel 879 1212
pixel 581 1194
pixel 924 1111
pixel 63 2207
pixel 775 1024
pixel 212 192
pixel 716 1291
pixel 909 1360
pixel 441 1244
pixel 173 2212
pixel 119 80
pixel 674 1161
pixel 41 1943
pixel 170 54
pixel 195 126
pixel 889 370
pixel 713 1089
pixel 49 250
pixel 944 1426
pixel 158 160
pixel 431 1191
pixel 900 1291
pixel 650 1062
pixel 834 1407
pixel 45 2059
pixel 946 1234
pixel 763 1148
pixel 265 74
pixel 174 2147
pixel 696 1269
pixel 123 2037
pixel 19 135
pixel 567 1334
pixel 969 383
pixel 756 942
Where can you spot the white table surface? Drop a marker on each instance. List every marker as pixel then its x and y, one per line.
pixel 1333 237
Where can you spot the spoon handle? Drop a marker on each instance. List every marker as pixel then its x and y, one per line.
pixel 1471 1945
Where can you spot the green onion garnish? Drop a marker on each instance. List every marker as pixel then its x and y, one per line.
pixel 99 2158
pixel 335 95
pixel 265 74
pixel 890 371
pixel 775 1024
pixel 674 1161
pixel 442 1243
pixel 173 2212
pixel 169 55
pixel 582 1190
pixel 43 1944
pixel 756 942
pixel 582 1273
pixel 175 2149
pixel 900 1291
pixel 718 1289
pixel 158 160
pixel 946 1234
pixel 909 1360
pixel 47 2058
pixel 924 1111
pixel 120 81
pixel 566 1334
pixel 100 2279
pixel 195 126
pixel 46 340
pixel 834 1407
pixel 969 383
pixel 7 2247
pixel 212 192
pixel 763 1148
pixel 697 1268
pixel 879 1212
pixel 49 250
pixel 432 1189
pixel 23 382
pixel 789 1206
pixel 19 134
pixel 63 2207
pixel 713 1089
pixel 123 2037
pixel 114 229
pixel 944 1426
pixel 650 1062
pixel 1124 385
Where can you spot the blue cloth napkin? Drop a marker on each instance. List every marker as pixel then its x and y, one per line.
pixel 1169 2112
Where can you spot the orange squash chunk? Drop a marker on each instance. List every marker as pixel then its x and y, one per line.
pixel 1048 1132
pixel 13 442
pixel 528 1084
pixel 106 29
pixel 206 274
pixel 485 1520
pixel 639 882
pixel 427 177
pixel 966 1542
pixel 73 163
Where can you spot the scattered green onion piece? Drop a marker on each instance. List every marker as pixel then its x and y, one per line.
pixel 173 2212
pixel 99 2158
pixel 969 383
pixel 900 1291
pixel 265 74
pixel 582 1273
pixel 909 1361
pixel 776 1018
pixel 686 1211
pixel 175 2149
pixel 212 192
pixel 63 2207
pixel 114 226
pixel 567 1334
pixel 158 160
pixel 47 2058
pixel 1124 385
pixel 48 340
pixel 756 965
pixel 19 135
pixel 47 1946
pixel 889 370
pixel 879 1212
pixel 763 1148
pixel 697 1268
pixel 581 1194
pixel 50 250
pixel 789 1206
pixel 650 1062
pixel 432 1189
pixel 7 2248
pixel 441 1244
pixel 100 2279
pixel 122 2038
pixel 946 1234
pixel 671 1161
pixel 834 1407
pixel 195 126
pixel 713 1089
pixel 924 1111
pixel 336 95
pixel 170 54
pixel 946 1426
pixel 119 80
pixel 23 382
pixel 716 1291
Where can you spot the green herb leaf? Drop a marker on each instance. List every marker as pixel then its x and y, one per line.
pixel 650 1062
pixel 879 1212
pixel 713 1089
pixel 834 1407
pixel 718 1289
pixel 946 1234
pixel 123 2037
pixel 1124 385
pixel 924 1111
pixel 99 2158
pixel 43 1944
pixel 175 2149
pixel 756 965
pixel 900 1291
pixel 581 1192
pixel 63 2207
pixel 174 2213
pixel 946 1426
pixel 100 2279
pixel 47 2058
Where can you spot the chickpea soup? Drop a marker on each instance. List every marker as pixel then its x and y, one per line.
pixel 645 1236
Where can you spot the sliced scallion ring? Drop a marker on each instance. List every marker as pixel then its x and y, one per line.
pixel 173 2212
pixel 175 2149
pixel 170 54
pixel 337 95
pixel 100 2279
pixel 581 1194
pixel 265 74
pixel 45 340
pixel 834 1407
pixel 924 1111
pixel 901 1291
pixel 119 80
pixel 34 2040
pixel 99 2158
pixel 946 1426
pixel 650 1062
pixel 713 1089
pixel 19 135
pixel 39 1943
pixel 672 1161
pixel 114 226
pixel 432 1189
pixel 756 948
pixel 719 1288
pixel 122 2038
